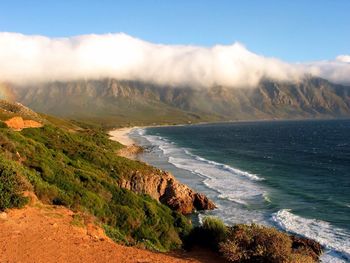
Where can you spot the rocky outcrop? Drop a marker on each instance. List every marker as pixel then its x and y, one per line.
pixel 17 123
pixel 164 187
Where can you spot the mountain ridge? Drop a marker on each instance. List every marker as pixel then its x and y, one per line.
pixel 130 102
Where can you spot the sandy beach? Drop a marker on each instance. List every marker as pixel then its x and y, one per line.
pixel 121 135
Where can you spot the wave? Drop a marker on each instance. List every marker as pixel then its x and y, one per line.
pixel 228 182
pixel 226 167
pixel 335 240
pixel 230 185
pixel 243 190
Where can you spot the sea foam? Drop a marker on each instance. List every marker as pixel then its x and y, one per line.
pixel 335 240
pixel 243 189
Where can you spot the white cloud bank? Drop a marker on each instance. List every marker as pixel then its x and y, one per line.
pixel 37 58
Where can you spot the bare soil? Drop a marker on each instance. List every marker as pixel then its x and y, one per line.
pixel 43 233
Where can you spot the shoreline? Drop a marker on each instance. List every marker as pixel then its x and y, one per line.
pixel 326 255
pixel 121 135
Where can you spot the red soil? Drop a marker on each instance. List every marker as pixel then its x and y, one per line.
pixel 17 123
pixel 43 233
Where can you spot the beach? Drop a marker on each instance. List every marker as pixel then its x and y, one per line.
pixel 121 136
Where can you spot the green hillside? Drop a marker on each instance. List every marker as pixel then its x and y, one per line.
pixel 78 168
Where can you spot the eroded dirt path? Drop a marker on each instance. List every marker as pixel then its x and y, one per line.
pixel 42 233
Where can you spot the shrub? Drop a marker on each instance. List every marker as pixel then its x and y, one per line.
pixel 115 234
pixel 10 186
pixel 3 124
pixel 209 234
pixel 254 243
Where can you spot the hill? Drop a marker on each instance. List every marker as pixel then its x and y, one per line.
pixel 80 169
pixel 111 102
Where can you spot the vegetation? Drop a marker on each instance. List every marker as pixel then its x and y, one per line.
pixel 252 243
pixel 78 168
pixel 11 185
pixel 75 165
pixel 209 235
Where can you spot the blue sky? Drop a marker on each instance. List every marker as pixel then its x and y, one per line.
pixel 290 30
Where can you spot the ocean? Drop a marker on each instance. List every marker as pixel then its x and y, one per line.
pixel 293 175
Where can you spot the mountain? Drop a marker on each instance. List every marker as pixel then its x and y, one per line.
pixel 128 102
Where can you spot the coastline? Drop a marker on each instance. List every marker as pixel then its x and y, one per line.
pixel 121 135
pixel 159 161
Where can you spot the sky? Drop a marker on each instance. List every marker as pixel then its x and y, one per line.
pixel 293 31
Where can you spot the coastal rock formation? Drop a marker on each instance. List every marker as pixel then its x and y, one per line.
pixel 164 187
pixel 17 123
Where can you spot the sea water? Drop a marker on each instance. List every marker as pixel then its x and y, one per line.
pixel 294 175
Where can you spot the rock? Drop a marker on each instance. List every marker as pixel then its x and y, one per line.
pixel 3 215
pixel 17 123
pixel 163 187
pixel 201 201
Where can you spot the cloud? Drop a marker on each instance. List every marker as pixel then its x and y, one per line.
pixel 343 58
pixel 26 59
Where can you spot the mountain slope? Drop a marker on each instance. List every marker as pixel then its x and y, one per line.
pixel 126 102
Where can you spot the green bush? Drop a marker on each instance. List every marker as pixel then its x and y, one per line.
pixel 255 243
pixel 252 243
pixel 115 234
pixel 10 186
pixel 3 124
pixel 209 234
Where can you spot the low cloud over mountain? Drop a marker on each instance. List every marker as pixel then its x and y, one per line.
pixel 28 59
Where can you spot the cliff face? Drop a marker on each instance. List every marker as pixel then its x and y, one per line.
pixel 164 187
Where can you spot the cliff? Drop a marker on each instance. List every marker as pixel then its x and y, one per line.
pixel 164 187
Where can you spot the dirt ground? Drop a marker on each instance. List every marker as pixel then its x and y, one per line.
pixel 43 233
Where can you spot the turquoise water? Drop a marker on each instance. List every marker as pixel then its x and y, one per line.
pixel 294 175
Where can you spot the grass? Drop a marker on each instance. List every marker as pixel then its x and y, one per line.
pixel 80 170
pixel 11 185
